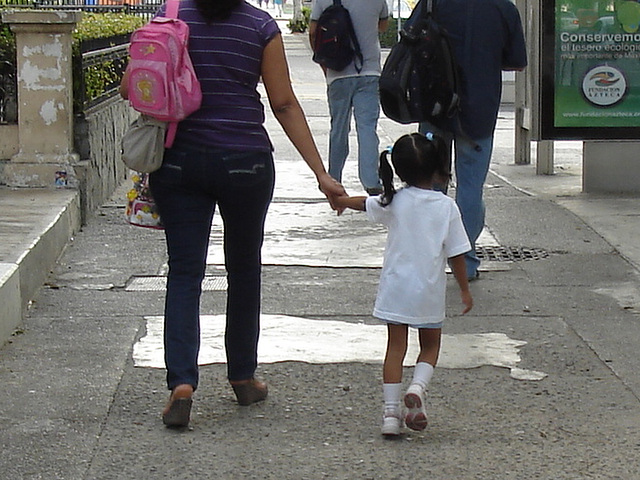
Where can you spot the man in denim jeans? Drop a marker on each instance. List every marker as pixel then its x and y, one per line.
pixel 487 38
pixel 355 91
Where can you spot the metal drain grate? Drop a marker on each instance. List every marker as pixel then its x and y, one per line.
pixel 509 254
pixel 157 284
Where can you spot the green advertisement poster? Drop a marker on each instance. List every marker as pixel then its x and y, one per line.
pixel 596 65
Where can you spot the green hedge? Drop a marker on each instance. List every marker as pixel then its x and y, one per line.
pixel 389 37
pixel 300 26
pixel 7 44
pixel 101 25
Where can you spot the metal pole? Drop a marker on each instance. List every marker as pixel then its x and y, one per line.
pixel 523 97
pixel 399 22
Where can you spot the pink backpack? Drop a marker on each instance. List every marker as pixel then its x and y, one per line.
pixel 162 82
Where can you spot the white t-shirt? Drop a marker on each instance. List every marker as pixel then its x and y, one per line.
pixel 424 230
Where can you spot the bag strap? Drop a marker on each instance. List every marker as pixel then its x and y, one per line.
pixel 358 62
pixel 427 8
pixel 430 8
pixel 171 10
pixel 172 127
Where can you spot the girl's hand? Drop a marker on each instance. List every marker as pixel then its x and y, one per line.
pixel 467 301
pixel 459 269
pixel 341 203
pixel 354 203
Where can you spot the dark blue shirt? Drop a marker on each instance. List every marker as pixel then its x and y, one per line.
pixel 487 38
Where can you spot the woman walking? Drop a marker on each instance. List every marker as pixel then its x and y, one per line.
pixel 222 158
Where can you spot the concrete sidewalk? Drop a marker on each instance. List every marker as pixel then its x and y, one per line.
pixel 78 404
pixel 35 226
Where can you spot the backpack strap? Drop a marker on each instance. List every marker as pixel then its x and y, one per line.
pixel 358 62
pixel 172 128
pixel 171 11
pixel 430 8
pixel 427 8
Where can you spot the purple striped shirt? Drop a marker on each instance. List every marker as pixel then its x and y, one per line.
pixel 227 57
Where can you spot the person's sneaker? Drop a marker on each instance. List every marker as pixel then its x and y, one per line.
pixel 416 416
pixel 374 191
pixel 391 423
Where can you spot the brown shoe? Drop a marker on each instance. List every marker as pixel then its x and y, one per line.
pixel 249 391
pixel 177 413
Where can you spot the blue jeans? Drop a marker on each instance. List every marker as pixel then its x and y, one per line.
pixel 187 188
pixel 360 96
pixel 471 168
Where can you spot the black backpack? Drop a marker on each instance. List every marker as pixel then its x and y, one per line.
pixel 335 44
pixel 420 79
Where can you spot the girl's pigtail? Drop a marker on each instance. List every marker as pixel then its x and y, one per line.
pixel 386 176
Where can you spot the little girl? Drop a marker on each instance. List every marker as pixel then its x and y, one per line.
pixel 425 231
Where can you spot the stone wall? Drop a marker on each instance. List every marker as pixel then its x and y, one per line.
pixel 97 141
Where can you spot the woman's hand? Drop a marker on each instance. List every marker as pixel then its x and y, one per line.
pixel 332 189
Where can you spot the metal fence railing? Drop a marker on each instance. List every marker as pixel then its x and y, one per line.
pixel 98 70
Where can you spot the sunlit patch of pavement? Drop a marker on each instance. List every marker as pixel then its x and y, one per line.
pixel 626 294
pixel 286 338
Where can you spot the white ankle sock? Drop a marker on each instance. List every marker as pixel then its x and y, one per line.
pixel 392 393
pixel 422 374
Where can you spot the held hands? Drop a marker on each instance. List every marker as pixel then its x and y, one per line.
pixel 354 203
pixel 332 189
pixel 341 203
